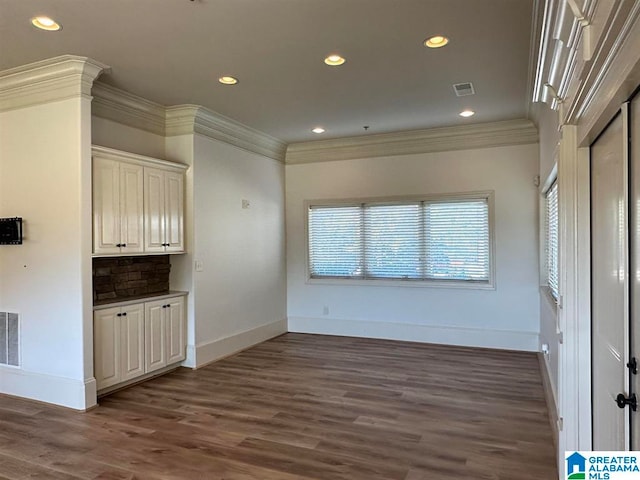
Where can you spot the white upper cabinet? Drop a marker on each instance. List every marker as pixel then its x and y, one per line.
pixel 174 211
pixel 117 207
pixel 138 204
pixel 164 211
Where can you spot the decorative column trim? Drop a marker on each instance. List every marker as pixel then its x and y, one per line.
pixel 50 80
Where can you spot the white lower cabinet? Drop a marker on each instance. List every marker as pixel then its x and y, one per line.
pixel 134 340
pixel 165 341
pixel 119 344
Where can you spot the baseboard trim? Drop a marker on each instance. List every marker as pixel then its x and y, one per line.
pixel 550 398
pixel 461 336
pixel 209 352
pixel 66 392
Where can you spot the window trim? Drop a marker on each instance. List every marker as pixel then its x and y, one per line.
pixel 487 195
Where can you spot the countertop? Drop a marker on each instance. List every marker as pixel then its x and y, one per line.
pixel 115 302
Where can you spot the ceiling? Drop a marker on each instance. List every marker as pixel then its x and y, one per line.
pixel 173 51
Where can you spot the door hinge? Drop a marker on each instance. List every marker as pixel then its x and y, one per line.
pixel 633 365
pixel 622 401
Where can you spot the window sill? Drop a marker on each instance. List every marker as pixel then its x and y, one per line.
pixel 344 282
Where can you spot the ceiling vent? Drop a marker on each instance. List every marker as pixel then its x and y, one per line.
pixel 463 89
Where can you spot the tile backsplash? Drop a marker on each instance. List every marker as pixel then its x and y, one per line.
pixel 119 278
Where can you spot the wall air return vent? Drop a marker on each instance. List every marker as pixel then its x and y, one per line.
pixel 9 339
pixel 463 89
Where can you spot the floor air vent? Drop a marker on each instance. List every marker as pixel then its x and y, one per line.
pixel 464 89
pixel 9 339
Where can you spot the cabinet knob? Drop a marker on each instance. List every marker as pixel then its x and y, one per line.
pixel 118 245
pixel 123 245
pixel 124 314
pixel 118 314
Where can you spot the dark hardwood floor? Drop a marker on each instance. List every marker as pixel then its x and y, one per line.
pixel 301 407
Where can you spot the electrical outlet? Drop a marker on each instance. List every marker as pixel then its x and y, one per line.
pixel 199 266
pixel 245 203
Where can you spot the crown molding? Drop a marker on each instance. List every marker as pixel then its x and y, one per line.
pixel 191 119
pixel 567 37
pixel 482 135
pixel 54 79
pixel 616 56
pixel 114 104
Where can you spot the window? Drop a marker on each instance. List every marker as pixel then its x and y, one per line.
pixel 444 239
pixel 551 244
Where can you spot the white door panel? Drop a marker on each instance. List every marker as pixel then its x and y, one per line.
pixel 174 221
pixel 106 206
pixel 131 208
pixel 610 314
pixel 176 330
pixel 154 210
pixel 634 214
pixel 155 335
pixel 132 330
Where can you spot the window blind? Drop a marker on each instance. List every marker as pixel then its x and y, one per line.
pixel 413 240
pixel 457 240
pixel 393 241
pixel 335 241
pixel 551 246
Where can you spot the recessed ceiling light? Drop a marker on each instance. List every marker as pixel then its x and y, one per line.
pixel 45 23
pixel 334 60
pixel 467 113
pixel 436 41
pixel 318 130
pixel 228 80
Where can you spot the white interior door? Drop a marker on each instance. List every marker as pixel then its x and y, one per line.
pixel 634 215
pixel 610 293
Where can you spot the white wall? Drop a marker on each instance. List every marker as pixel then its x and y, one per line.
pixel 239 298
pixel 45 177
pixel 108 133
pixel 549 140
pixel 507 317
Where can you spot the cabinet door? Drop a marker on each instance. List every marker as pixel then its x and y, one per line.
pixel 154 210
pixel 131 208
pixel 106 206
pixel 132 341
pixel 174 211
pixel 106 341
pixel 176 330
pixel 154 335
